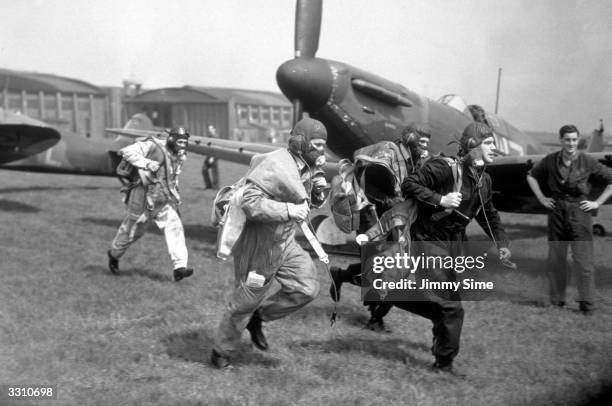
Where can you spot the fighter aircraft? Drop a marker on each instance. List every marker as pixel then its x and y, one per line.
pixel 359 108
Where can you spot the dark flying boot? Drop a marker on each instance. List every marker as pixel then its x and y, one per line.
pixel 586 308
pixel 378 310
pixel 257 335
pixel 220 361
pixel 378 325
pixel 336 277
pixel 113 263
pixel 446 367
pixel 180 273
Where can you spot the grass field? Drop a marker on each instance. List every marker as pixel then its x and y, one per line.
pixel 140 338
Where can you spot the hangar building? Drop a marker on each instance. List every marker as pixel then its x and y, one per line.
pixel 65 103
pixel 237 114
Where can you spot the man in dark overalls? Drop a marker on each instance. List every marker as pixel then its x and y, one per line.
pixel 445 207
pixel 567 175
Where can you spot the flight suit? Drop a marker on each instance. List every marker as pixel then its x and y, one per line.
pixel 153 197
pixel 267 245
pixel 436 233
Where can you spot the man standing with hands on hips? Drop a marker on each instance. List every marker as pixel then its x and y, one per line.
pixel 567 176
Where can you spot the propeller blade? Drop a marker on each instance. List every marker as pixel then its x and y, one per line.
pixel 307 27
pixel 298 111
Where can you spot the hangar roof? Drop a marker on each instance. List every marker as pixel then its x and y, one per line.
pixel 196 94
pixel 34 82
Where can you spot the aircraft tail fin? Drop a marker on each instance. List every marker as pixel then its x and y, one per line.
pixel 597 141
pixel 139 121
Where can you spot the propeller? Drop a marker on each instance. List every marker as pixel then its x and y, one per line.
pixel 307 27
pixel 307 30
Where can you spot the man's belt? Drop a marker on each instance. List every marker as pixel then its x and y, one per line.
pixel 568 197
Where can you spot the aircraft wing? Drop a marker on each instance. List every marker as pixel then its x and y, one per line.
pixel 18 140
pixel 227 150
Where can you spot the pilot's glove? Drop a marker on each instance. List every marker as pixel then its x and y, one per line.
pixel 298 212
pixel 361 239
pixel 152 166
pixel 451 200
pixel 504 258
pixel 504 253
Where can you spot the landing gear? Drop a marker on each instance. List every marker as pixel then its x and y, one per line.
pixel 599 230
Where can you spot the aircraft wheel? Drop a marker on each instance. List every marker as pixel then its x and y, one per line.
pixel 599 230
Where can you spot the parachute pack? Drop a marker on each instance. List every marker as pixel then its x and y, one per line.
pixel 126 172
pixel 374 177
pixel 227 215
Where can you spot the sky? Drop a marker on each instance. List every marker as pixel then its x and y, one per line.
pixel 555 55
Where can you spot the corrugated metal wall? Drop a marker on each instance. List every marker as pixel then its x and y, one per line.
pixel 198 116
pixel 80 113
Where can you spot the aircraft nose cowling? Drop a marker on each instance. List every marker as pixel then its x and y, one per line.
pixel 308 80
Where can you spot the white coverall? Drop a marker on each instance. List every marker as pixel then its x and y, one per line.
pixel 142 207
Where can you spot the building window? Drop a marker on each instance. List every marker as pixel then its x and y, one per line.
pixel 276 115
pixel 254 114
pixel 286 115
pixel 243 113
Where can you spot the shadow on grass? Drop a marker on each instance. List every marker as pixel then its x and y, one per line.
pixel 517 232
pixel 11 205
pixel 196 346
pixel 392 349
pixel 201 233
pixel 537 268
pixel 133 272
pixel 53 188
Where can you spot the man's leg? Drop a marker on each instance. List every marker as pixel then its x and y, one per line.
pixel 132 228
pixel 240 308
pixel 215 175
pixel 352 274
pixel 447 331
pixel 169 221
pixel 442 307
pixel 582 253
pixel 557 268
pixel 129 232
pixel 378 310
pixel 447 317
pixel 205 174
pixel 299 286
